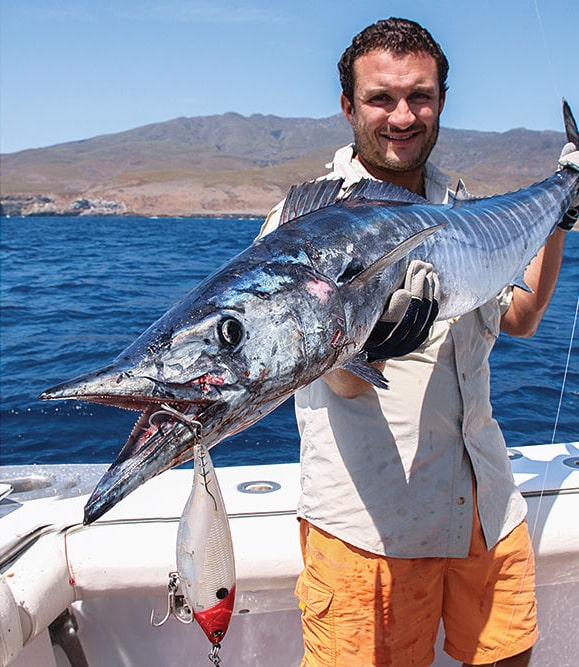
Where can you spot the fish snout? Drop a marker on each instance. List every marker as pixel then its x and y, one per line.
pixel 109 385
pixel 137 390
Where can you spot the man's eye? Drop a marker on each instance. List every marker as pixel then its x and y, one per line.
pixel 420 97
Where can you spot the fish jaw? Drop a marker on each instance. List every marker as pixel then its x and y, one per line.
pixel 172 416
pixel 157 442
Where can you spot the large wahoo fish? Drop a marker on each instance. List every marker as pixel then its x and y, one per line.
pixel 302 301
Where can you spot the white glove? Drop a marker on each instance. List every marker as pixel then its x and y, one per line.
pixel 569 158
pixel 420 283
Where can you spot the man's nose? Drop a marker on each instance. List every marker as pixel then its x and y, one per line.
pixel 402 116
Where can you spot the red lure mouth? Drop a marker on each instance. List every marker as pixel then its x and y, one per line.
pixel 215 621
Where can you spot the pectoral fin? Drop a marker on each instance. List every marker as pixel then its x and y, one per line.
pixel 359 366
pixel 364 276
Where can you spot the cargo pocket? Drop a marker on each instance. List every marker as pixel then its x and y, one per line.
pixel 317 620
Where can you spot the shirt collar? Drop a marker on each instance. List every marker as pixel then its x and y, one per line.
pixel 352 170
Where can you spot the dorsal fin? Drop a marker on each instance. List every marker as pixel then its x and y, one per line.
pixel 381 191
pixel 462 195
pixel 315 195
pixel 309 197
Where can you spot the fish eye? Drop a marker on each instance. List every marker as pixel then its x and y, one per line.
pixel 230 331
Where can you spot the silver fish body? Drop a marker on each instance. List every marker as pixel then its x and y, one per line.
pixel 302 301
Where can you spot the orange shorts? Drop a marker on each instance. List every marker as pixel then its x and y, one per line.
pixel 363 610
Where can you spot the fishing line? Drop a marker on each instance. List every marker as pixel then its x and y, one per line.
pixel 552 69
pixel 566 371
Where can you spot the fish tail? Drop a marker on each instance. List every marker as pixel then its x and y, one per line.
pixel 570 124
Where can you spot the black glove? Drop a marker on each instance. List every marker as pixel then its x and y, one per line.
pixel 408 316
pixel 569 219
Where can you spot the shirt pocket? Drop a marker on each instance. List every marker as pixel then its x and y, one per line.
pixel 489 317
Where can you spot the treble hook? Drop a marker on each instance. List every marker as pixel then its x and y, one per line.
pixel 176 605
pixel 192 424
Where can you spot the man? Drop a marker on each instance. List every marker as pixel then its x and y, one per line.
pixel 409 512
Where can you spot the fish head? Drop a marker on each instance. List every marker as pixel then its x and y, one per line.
pixel 229 353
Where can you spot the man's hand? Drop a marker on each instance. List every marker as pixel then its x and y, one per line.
pixel 408 316
pixel 570 158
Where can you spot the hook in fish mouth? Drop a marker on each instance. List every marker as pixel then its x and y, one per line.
pixel 192 424
pixel 163 437
pixel 172 418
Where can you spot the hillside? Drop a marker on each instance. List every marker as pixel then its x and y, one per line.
pixel 235 165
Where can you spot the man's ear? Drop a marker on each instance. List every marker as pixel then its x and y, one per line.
pixel 347 107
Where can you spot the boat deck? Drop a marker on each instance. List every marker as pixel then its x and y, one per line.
pixel 113 573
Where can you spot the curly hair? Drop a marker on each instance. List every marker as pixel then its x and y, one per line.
pixel 399 37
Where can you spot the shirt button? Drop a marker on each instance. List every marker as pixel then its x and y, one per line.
pixel 464 376
pixel 461 501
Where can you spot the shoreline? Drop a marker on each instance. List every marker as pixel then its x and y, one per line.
pixel 159 216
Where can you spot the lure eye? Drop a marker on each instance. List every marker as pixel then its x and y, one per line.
pixel 230 331
pixel 222 593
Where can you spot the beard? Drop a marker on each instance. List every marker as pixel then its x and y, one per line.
pixel 373 155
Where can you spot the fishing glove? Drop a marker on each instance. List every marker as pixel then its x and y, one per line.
pixel 570 158
pixel 408 316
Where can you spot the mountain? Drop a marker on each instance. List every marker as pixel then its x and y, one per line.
pixel 236 165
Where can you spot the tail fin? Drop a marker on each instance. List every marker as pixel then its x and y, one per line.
pixel 570 124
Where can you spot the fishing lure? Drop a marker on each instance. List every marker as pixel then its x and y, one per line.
pixel 205 560
pixel 203 588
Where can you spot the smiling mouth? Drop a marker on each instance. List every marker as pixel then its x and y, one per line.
pixel 401 138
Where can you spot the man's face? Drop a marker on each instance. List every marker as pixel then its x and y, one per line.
pixel 395 113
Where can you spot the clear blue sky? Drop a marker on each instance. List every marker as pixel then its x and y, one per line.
pixel 74 69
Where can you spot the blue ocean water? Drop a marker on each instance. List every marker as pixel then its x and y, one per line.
pixel 76 291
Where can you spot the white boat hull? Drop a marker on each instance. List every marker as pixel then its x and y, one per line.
pixel 113 573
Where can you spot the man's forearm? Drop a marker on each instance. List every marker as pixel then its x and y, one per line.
pixel 527 309
pixel 346 384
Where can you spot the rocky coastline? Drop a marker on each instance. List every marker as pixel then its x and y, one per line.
pixel 41 205
pixel 44 205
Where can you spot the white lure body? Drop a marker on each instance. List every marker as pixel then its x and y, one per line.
pixel 205 560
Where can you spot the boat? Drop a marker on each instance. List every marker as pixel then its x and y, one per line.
pixel 100 595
